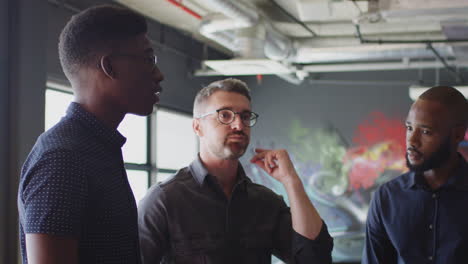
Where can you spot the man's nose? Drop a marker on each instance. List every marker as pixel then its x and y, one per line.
pixel 412 138
pixel 157 74
pixel 237 124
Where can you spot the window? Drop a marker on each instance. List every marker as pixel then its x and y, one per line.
pixel 56 103
pixel 176 143
pixel 174 147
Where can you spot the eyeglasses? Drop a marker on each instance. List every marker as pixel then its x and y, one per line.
pixel 151 60
pixel 227 116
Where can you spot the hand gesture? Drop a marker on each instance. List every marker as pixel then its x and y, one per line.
pixel 276 163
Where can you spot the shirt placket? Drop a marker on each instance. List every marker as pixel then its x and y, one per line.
pixel 231 234
pixel 435 196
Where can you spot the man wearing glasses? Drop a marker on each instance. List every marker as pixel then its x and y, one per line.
pixel 211 212
pixel 75 202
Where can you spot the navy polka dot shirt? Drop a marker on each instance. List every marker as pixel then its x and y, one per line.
pixel 74 184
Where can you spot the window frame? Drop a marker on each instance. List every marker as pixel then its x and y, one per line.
pixel 154 138
pixel 151 166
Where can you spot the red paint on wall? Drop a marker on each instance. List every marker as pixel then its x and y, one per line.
pixel 380 146
pixel 378 128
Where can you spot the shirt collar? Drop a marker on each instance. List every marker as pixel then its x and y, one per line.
pixel 459 179
pixel 200 173
pixel 104 133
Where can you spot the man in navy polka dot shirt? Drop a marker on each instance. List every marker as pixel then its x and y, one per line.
pixel 75 203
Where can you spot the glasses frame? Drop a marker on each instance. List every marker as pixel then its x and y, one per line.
pixel 255 115
pixel 151 60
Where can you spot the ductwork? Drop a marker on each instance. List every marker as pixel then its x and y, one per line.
pixel 222 29
pixel 252 38
pixel 218 29
pixel 239 12
pixel 245 33
pixel 249 36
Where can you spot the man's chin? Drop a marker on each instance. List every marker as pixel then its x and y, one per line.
pixel 411 166
pixel 418 167
pixel 235 153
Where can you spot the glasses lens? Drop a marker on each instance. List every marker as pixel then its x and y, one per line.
pixel 225 116
pixel 249 118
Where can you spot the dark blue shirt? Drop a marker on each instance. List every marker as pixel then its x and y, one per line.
pixel 410 223
pixel 74 184
pixel 189 219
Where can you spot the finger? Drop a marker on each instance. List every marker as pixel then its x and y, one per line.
pixel 259 150
pixel 270 158
pixel 261 164
pixel 270 162
pixel 259 156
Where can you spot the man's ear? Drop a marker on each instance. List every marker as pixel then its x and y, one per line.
pixel 197 127
pixel 106 67
pixel 459 133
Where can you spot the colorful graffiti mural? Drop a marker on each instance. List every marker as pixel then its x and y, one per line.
pixel 340 177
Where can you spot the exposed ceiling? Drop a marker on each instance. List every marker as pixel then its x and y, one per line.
pixel 293 38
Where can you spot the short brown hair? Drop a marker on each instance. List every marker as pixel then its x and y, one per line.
pixel 95 30
pixel 228 85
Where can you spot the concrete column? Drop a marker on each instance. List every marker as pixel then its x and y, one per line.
pixel 23 36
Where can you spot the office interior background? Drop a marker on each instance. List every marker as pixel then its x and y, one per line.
pixel 332 81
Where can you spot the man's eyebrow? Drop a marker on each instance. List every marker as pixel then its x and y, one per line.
pixel 231 108
pixel 423 126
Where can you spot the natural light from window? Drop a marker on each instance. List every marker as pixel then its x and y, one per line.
pixel 176 143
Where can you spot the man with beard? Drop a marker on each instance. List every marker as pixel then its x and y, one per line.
pixel 421 216
pixel 211 212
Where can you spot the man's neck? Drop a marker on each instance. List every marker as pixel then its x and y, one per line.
pixel 90 93
pixel 225 171
pixel 100 108
pixel 435 178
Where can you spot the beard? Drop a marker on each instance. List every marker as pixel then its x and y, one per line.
pixel 232 150
pixel 434 161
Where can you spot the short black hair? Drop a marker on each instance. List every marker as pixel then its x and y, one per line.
pixel 450 97
pixel 95 30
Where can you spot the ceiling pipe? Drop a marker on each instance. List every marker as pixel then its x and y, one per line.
pixel 378 66
pixel 242 18
pixel 403 41
pixel 245 33
pixel 242 15
pixel 458 76
pixel 221 29
pixel 306 54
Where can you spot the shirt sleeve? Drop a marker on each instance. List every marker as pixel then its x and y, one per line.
pixel 153 227
pixel 378 247
pixel 291 247
pixel 319 250
pixel 54 195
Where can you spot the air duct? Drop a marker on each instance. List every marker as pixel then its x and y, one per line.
pixel 254 38
pixel 222 29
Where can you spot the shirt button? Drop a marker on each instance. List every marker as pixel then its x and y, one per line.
pixel 434 195
pixel 430 227
pixel 430 258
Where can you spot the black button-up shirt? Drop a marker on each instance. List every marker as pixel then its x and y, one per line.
pixel 188 219
pixel 410 223
pixel 74 184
